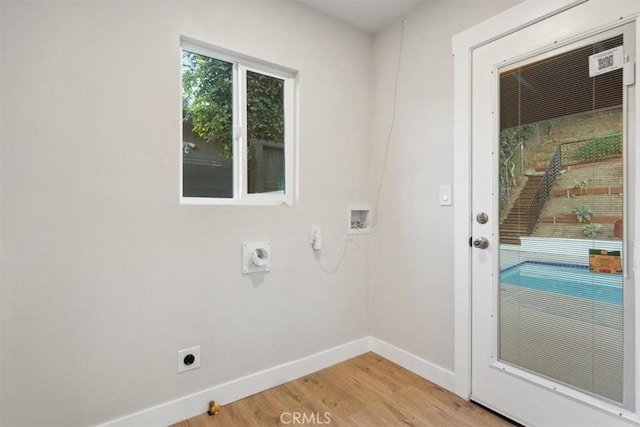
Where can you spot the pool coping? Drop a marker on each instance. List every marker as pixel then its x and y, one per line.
pixel 554 264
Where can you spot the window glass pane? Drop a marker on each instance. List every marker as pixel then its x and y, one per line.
pixel 265 133
pixel 207 126
pixel 561 221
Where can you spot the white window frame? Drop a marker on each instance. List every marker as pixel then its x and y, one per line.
pixel 242 64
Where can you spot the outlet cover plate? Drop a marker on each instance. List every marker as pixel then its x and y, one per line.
pixel 183 367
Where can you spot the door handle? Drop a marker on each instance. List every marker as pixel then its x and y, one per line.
pixel 481 243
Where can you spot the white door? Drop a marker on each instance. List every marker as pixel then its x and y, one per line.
pixel 553 312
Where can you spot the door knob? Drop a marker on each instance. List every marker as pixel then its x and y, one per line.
pixel 481 243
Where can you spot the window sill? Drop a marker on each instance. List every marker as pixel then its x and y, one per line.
pixel 257 200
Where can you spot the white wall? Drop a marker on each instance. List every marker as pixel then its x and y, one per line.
pixel 2 312
pixel 412 257
pixel 105 276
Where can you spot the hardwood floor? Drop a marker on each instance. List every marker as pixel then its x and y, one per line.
pixel 366 391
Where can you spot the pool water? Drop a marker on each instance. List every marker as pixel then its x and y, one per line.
pixel 572 280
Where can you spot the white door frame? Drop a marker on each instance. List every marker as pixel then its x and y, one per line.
pixel 510 21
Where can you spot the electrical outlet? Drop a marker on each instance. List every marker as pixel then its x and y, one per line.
pixel 316 237
pixel 188 359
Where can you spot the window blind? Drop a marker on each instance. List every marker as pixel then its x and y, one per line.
pixel 561 195
pixel 558 87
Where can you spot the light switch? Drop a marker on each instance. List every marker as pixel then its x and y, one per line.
pixel 445 195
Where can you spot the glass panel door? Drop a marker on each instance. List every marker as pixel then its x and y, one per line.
pixel 554 191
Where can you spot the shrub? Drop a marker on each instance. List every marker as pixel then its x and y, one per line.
pixel 582 213
pixel 580 185
pixel 591 230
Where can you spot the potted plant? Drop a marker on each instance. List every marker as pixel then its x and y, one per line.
pixel 618 228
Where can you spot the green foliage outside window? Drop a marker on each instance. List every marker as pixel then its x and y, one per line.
pixel 600 148
pixel 583 213
pixel 510 140
pixel 207 98
pixel 207 102
pixel 591 230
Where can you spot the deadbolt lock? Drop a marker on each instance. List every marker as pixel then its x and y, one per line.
pixel 481 243
pixel 482 218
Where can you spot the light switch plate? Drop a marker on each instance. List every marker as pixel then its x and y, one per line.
pixel 445 195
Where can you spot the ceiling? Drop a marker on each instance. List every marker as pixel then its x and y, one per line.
pixel 368 15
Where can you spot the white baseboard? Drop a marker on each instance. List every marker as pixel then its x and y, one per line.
pixel 427 370
pixel 196 403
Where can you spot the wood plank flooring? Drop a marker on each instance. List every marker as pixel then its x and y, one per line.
pixel 367 391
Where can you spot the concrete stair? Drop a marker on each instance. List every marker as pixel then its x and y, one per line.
pixel 515 224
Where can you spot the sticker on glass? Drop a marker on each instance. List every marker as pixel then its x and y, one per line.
pixel 606 61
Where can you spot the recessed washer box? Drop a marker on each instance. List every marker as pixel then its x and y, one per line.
pixel 358 219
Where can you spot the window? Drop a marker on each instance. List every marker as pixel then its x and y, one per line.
pixel 237 129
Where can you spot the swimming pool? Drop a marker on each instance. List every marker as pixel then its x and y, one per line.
pixel 572 280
